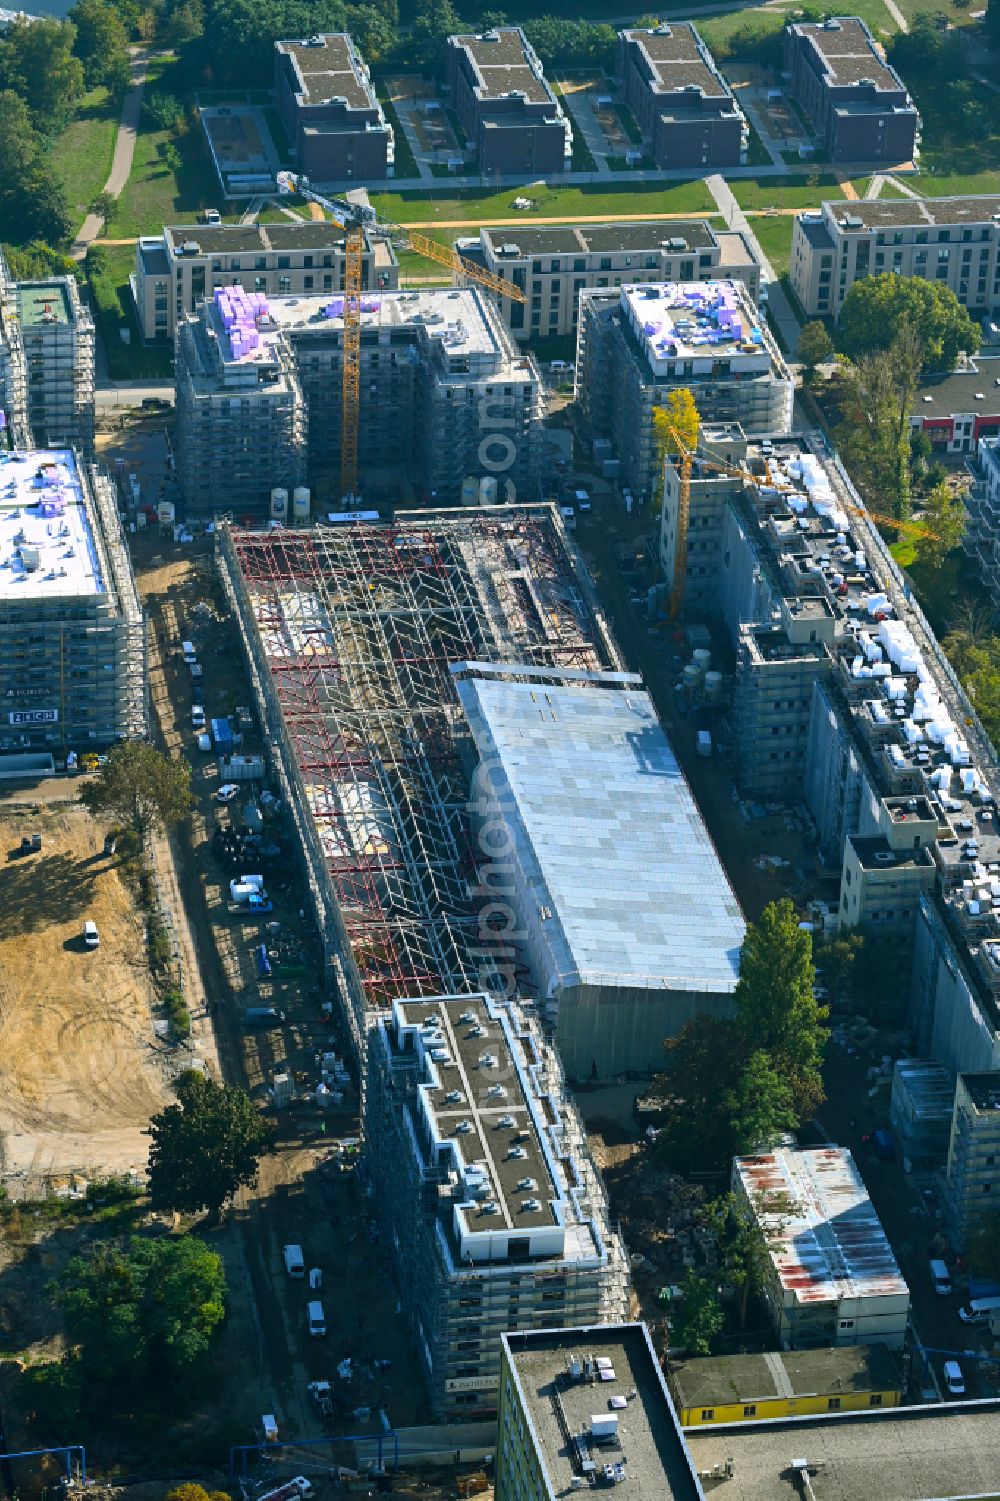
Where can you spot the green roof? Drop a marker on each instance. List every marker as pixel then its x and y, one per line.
pixel 718 1380
pixel 42 302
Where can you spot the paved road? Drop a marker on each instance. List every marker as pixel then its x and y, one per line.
pixel 121 164
pixel 778 305
pixel 132 393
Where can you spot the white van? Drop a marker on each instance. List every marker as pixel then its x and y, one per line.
pixel 188 652
pixel 953 1378
pixel 295 1262
pixel 315 1318
pixel 941 1277
pixel 91 937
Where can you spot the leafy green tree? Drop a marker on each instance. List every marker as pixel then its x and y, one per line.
pixel 876 398
pixel 976 660
pixel 204 1148
pixel 744 1255
pixel 762 1106
pixel 101 43
pixel 921 449
pixel 193 1492
pixel 836 959
pixel 36 261
pixel 142 1308
pixel 700 1318
pixel 815 345
pixel 105 205
pixel 373 30
pixel 140 788
pixel 704 1064
pixel 32 202
pixel 163 111
pixel 929 50
pixel 878 308
pixel 776 1008
pixel 945 519
pixel 37 62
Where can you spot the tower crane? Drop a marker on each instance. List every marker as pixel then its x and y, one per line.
pixel 355 215
pixel 740 471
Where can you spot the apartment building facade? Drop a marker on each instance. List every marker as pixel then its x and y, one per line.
pixel 637 344
pixel 953 241
pixel 494 1212
pixel 176 270
pixel 446 398
pixel 685 109
pixel 553 264
pixel 336 128
pixel 981 542
pixel 973 1174
pixel 47 363
pixel 858 105
pixel 72 632
pixel 512 120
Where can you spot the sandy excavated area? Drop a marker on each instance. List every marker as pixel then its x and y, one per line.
pixel 81 1071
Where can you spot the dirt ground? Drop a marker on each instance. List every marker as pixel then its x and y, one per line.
pixel 81 1070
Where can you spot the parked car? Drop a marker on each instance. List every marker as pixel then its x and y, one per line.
pixel 197 717
pixel 228 791
pixel 91 937
pixel 953 1378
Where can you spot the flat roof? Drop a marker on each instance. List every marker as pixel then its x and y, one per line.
pixel 502 64
pixel 485 1110
pixel 900 1454
pixel 928 1085
pixel 327 69
pixel 47 546
pixel 453 317
pixel 678 60
pixel 557 1403
pixel 696 321
pixel 979 209
pixel 975 390
pixel 983 1090
pixel 42 302
pixel 249 239
pixel 848 52
pixel 629 887
pixel 825 1240
pixel 578 239
pixel 718 1380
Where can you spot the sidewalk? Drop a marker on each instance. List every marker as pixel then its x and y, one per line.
pixel 778 305
pixel 121 164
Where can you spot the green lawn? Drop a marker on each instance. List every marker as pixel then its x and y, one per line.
pixel 790 192
pixel 934 587
pixel 82 153
pixel 113 298
pixel 775 236
pixel 478 207
pixel 942 185
pixel 890 190
pixel 157 193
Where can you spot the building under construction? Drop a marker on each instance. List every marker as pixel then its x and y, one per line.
pixel 72 632
pixel 46 363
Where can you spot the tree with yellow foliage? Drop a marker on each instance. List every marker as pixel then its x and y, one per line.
pixel 676 423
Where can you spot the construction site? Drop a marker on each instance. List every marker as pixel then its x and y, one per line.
pixel 351 634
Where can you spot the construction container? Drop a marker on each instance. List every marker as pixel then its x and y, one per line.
pixel 166 513
pixel 222 737
pixel 283 1089
pixel 241 768
pixel 300 503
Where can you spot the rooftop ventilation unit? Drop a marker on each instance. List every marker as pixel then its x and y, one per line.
pixel 453 1097
pixel 463 1128
pixel 530 1206
pixel 525 1185
pixel 518 1154
pixel 488 1060
pixel 505 1122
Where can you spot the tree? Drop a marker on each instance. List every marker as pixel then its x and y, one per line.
pixel 101 43
pixel 945 519
pixel 976 660
pixel 142 1309
pixel 140 788
pixel 878 308
pixel 32 201
pixel 193 1492
pixel 105 205
pixel 776 1008
pixel 204 1148
pixel 815 345
pixel 836 959
pixel 676 423
pixel 373 31
pixel 704 1065
pixel 37 62
pixel 876 398
pixel 762 1106
pixel 743 1248
pixel 700 1318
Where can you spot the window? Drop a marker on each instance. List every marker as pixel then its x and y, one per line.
pixel 751 1411
pixel 875 1400
pixel 260 264
pixel 847 1324
pixel 307 282
pixel 284 283
pixel 284 262
pixel 307 260
pixel 579 264
pixel 605 265
pixel 833 1404
pixel 987 1188
pixel 707 1414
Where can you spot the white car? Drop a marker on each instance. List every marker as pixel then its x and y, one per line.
pixel 228 791
pixel 197 717
pixel 953 1378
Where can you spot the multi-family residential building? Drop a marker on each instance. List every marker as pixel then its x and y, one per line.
pixel 920 1110
pixel 830 1276
pixel 336 129
pixel 47 362
pixel 72 633
pixel 973 1174
pixel 446 397
pixel 553 264
pixel 682 104
pixel 483 1180
pixel 858 105
pixel 958 408
pixel 513 121
pixel 843 696
pixel 583 1407
pixel 981 542
pixel 953 241
pixel 176 270
pixel 637 344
